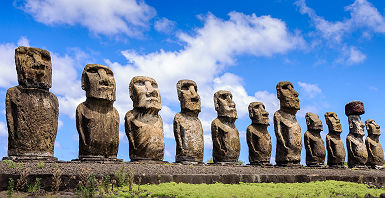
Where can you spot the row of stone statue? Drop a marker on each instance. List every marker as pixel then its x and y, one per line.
pixel 32 120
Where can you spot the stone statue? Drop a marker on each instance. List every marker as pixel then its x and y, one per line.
pixel 225 136
pixel 314 145
pixel 257 136
pixel 31 110
pixel 357 153
pixel 97 121
pixel 143 124
pixel 286 127
pixel 373 144
pixel 334 144
pixel 188 129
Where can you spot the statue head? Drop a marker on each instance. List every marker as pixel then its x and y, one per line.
pixel 372 127
pixel 144 93
pixel 188 96
pixel 258 113
pixel 287 96
pixel 224 105
pixel 98 82
pixel 34 68
pixel 333 122
pixel 313 122
pixel 355 125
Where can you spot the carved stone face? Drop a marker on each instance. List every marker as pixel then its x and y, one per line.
pixel 313 122
pixel 144 93
pixel 224 104
pixel 98 82
pixel 258 113
pixel 287 96
pixel 33 66
pixel 333 122
pixel 188 96
pixel 372 127
pixel 355 125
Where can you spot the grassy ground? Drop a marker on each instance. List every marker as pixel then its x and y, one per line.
pixel 313 189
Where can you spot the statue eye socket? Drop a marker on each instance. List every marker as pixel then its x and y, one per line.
pixel 139 83
pixel 92 70
pixel 223 97
pixel 185 87
pixel 45 57
pixel 108 72
pixel 154 85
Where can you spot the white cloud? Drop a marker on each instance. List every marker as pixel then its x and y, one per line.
pixel 363 16
pixel 60 124
pixel 8 76
pixel 129 17
pixel 3 129
pixel 309 90
pixel 208 141
pixel 164 25
pixel 57 144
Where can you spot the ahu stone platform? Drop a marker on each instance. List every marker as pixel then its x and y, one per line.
pixel 72 172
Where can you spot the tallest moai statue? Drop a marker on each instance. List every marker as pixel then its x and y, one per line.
pixel 286 127
pixel 31 110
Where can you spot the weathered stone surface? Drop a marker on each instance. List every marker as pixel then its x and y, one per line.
pixel 143 124
pixel 357 153
pixel 354 108
pixel 257 136
pixel 225 136
pixel 31 110
pixel 97 121
pixel 188 129
pixel 286 127
pixel 373 144
pixel 334 145
pixel 314 145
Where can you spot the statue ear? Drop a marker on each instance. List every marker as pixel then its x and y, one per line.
pixel 84 81
pixel 350 125
pixel 216 104
pixel 308 122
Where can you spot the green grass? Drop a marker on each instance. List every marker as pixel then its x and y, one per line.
pixel 312 189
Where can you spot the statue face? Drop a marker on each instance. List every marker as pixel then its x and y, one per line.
pixel 258 113
pixel 144 93
pixel 188 96
pixel 287 96
pixel 333 122
pixel 313 122
pixel 355 125
pixel 224 104
pixel 98 82
pixel 372 127
pixel 33 66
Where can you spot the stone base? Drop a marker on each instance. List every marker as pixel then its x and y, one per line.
pixel 145 161
pixel 226 164
pixel 189 163
pixel 359 167
pixel 289 164
pixel 104 160
pixel 337 166
pixel 261 164
pixel 20 158
pixel 316 165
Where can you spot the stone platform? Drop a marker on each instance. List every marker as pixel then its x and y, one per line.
pixel 155 173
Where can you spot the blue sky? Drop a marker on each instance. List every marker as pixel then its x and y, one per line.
pixel 332 51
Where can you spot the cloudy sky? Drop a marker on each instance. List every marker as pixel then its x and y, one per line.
pixel 332 51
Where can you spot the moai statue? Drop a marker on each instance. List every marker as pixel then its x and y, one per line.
pixel 373 144
pixel 334 145
pixel 31 110
pixel 143 124
pixel 314 145
pixel 188 129
pixel 225 136
pixel 286 127
pixel 357 153
pixel 97 121
pixel 257 136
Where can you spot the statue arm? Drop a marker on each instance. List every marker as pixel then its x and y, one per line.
pixel 215 136
pixel 329 147
pixel 278 131
pixel 368 147
pixel 79 126
pixel 9 114
pixel 128 128
pixel 307 144
pixel 249 139
pixel 177 133
pixel 349 146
